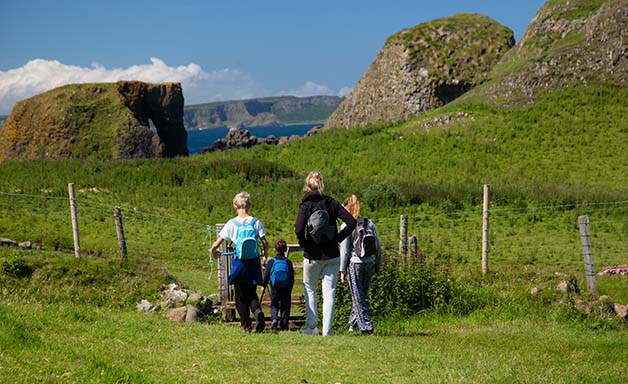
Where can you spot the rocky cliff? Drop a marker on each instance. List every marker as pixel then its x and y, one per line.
pixel 568 43
pixel 424 67
pixel 261 112
pixel 104 121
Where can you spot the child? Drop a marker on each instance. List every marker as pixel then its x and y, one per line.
pixel 280 274
pixel 246 272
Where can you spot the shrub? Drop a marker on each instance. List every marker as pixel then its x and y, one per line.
pixel 383 195
pixel 14 267
pixel 397 292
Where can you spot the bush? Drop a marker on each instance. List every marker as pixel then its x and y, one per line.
pixel 14 267
pixel 383 195
pixel 397 292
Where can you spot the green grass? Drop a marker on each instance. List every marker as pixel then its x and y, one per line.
pixel 87 344
pixel 547 163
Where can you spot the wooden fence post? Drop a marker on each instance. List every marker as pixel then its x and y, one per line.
pixel 75 225
pixel 587 252
pixel 403 238
pixel 117 214
pixel 485 213
pixel 224 268
pixel 414 250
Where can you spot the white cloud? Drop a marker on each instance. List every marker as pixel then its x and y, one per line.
pixel 310 88
pixel 344 91
pixel 199 86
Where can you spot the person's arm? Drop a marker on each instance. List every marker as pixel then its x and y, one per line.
pixel 291 272
pixel 214 249
pixel 348 219
pixel 345 255
pixel 264 247
pixel 299 225
pixel 378 255
pixel 269 266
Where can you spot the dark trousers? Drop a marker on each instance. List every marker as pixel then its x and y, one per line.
pixel 245 299
pixel 280 301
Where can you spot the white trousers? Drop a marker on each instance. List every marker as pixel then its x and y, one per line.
pixel 327 270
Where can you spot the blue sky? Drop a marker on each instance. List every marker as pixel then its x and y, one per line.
pixel 218 50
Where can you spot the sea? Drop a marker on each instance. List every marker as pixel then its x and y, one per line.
pixel 202 138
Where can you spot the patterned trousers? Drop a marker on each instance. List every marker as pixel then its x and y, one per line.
pixel 359 278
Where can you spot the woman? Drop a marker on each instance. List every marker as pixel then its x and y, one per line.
pixel 361 266
pixel 321 255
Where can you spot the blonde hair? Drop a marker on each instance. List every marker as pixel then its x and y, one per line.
pixel 314 182
pixel 242 201
pixel 352 204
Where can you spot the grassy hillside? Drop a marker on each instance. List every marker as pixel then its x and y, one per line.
pixel 568 148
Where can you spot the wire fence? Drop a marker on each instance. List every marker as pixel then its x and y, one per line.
pixel 546 236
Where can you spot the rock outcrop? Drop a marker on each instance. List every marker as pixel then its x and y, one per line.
pixel 241 138
pixel 568 43
pixel 102 120
pixel 424 67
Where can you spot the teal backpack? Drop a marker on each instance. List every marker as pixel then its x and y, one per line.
pixel 280 274
pixel 245 240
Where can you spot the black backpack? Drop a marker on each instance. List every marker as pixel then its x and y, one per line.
pixel 364 240
pixel 319 227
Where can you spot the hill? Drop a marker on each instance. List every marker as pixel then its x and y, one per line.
pixel 267 111
pixel 551 153
pixel 2 120
pixel 102 120
pixel 424 67
pixel 567 44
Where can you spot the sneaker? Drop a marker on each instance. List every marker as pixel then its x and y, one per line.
pixel 246 329
pixel 274 326
pixel 260 322
pixel 309 331
pixel 351 328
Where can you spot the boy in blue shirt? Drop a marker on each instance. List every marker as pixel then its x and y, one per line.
pixel 280 274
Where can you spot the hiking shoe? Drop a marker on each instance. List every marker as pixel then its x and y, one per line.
pixel 260 322
pixel 309 331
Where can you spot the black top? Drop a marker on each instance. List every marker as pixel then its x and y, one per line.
pixel 336 211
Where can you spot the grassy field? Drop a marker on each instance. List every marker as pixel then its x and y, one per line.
pixel 88 344
pixel 67 320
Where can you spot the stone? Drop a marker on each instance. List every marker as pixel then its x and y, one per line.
pixel 173 297
pixel 177 314
pixel 193 315
pixel 194 299
pixel 144 306
pixel 621 310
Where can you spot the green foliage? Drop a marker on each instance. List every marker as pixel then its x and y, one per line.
pixel 62 279
pixel 572 10
pixel 14 267
pixel 383 195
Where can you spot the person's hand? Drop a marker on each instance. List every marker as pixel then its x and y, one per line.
pixel 342 277
pixel 216 253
